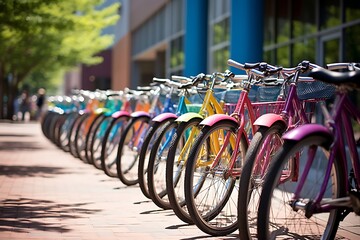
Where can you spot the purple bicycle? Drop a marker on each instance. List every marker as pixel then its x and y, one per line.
pixel 311 186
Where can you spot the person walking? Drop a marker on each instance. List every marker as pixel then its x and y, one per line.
pixel 40 103
pixel 24 104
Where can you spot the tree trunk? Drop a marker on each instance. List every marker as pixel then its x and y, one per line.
pixel 10 104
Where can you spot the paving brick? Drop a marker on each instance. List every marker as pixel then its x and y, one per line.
pixel 45 193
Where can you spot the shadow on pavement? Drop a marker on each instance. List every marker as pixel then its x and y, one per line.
pixel 15 135
pixel 18 146
pixel 30 171
pixel 24 215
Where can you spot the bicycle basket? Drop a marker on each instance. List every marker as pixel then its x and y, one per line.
pixel 267 93
pixel 315 90
pixel 261 108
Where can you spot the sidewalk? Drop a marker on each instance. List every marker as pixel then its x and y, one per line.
pixel 46 193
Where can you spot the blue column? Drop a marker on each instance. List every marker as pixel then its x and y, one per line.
pixel 195 39
pixel 246 31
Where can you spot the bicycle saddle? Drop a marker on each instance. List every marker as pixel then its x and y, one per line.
pixel 352 78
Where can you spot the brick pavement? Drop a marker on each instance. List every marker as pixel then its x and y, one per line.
pixel 46 193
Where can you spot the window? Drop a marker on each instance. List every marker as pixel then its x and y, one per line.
pixel 219 35
pixel 176 39
pixel 176 52
pixel 329 13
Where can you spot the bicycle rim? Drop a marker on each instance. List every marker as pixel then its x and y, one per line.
pixel 276 216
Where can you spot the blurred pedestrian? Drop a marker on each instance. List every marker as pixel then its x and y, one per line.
pixel 40 103
pixel 24 105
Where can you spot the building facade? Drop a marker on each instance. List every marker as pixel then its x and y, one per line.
pixel 185 37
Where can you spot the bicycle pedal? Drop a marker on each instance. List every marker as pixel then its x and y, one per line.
pixel 355 201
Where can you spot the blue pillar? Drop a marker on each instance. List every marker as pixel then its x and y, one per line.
pixel 246 31
pixel 195 42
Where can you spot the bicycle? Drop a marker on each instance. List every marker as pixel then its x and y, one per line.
pixel 82 123
pixel 309 178
pixel 130 144
pixel 118 126
pixel 107 134
pixel 159 153
pixel 170 113
pixel 212 171
pixel 185 134
pixel 301 95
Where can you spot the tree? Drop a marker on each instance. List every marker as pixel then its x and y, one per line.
pixel 48 35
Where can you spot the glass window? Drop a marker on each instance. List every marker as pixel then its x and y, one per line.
pixel 352 44
pixel 269 24
pixel 283 21
pixel 283 56
pixel 176 52
pixel 221 32
pixel 352 10
pixel 269 56
pixel 329 13
pixel 220 58
pixel 177 19
pixel 304 17
pixel 331 51
pixel 304 50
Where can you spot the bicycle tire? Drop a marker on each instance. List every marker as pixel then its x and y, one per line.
pixel 72 134
pixel 296 223
pixel 110 142
pixel 89 137
pixel 211 197
pixel 175 171
pixel 157 166
pixel 97 141
pixel 80 137
pixel 127 166
pixel 250 181
pixel 150 139
pixel 65 131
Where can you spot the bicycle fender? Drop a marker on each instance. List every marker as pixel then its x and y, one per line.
pixel 211 120
pixel 120 114
pixel 164 116
pixel 268 119
pixel 140 114
pixel 298 133
pixel 188 116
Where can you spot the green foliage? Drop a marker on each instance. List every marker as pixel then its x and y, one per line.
pixel 47 36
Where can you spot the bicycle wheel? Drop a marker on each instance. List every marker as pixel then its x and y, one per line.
pixel 97 141
pixel 72 136
pixel 89 137
pixel 110 143
pixel 65 131
pixel 181 144
pixel 263 146
pixel 127 159
pixel 157 166
pixel 80 136
pixel 277 217
pixel 210 185
pixel 151 137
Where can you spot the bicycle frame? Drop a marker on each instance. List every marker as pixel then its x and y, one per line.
pixel 292 116
pixel 239 119
pixel 182 109
pixel 338 120
pixel 209 107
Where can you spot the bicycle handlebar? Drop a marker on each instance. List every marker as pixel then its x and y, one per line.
pixel 349 66
pixel 260 69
